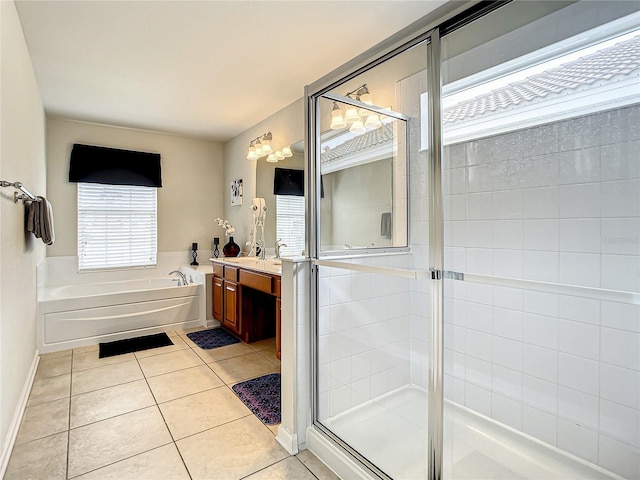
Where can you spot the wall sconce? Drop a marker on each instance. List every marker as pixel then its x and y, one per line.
pixel 360 119
pixel 261 146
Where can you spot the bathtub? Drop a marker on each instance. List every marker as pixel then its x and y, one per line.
pixel 72 316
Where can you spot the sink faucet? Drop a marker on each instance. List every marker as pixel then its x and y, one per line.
pixel 278 246
pixel 182 276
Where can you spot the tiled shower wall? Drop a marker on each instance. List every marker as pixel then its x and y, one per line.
pixel 364 337
pixel 556 203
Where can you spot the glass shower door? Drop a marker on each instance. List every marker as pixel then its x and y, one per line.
pixel 542 221
pixel 371 263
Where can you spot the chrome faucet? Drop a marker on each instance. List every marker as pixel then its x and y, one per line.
pixel 182 276
pixel 278 246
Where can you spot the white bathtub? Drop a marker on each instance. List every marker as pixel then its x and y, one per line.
pixel 71 316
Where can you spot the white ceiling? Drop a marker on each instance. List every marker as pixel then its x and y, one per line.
pixel 210 69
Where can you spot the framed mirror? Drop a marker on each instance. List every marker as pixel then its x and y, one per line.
pixel 363 202
pixel 285 214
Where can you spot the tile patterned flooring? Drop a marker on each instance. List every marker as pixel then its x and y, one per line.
pixel 165 413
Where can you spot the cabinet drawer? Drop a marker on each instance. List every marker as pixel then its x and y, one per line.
pixel 230 273
pixel 256 280
pixel 218 270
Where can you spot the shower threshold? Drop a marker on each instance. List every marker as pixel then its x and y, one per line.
pixel 391 432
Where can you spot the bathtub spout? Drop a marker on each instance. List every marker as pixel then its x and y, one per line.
pixel 182 276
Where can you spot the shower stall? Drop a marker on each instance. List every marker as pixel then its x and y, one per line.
pixel 474 231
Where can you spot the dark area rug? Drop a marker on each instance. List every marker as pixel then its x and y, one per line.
pixel 212 338
pixel 262 396
pixel 136 344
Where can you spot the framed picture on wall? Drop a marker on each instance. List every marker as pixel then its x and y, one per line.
pixel 236 192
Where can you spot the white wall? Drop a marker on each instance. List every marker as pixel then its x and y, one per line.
pixel 189 200
pixel 22 158
pixel 287 128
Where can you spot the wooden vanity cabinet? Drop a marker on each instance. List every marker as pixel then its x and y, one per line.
pixel 247 303
pixel 231 314
pixel 218 292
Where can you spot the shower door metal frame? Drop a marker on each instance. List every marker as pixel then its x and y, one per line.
pixel 313 93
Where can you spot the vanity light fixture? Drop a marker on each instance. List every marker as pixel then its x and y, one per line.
pixel 261 146
pixel 337 120
pixel 360 119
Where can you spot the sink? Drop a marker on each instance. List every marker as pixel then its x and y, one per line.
pixel 270 264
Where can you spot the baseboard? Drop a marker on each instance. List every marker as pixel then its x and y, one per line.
pixel 12 433
pixel 111 337
pixel 335 458
pixel 288 440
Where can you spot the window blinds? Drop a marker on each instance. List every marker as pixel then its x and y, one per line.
pixel 117 226
pixel 290 213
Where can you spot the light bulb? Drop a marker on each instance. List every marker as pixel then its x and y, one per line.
pixel 352 115
pixel 286 151
pixel 252 152
pixel 279 155
pixel 372 122
pixel 337 120
pixel 259 149
pixel 366 98
pixel 266 147
pixel 357 128
pixel 272 158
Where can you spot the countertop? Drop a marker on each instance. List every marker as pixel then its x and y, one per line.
pixel 270 265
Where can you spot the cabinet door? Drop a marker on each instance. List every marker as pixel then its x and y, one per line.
pixel 278 327
pixel 231 317
pixel 217 298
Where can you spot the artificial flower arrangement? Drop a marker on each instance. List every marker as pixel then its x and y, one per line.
pixel 229 230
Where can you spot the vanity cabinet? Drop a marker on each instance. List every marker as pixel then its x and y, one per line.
pixel 217 294
pixel 247 302
pixel 231 317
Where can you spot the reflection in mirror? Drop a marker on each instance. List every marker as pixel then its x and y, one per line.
pixel 285 219
pixel 363 201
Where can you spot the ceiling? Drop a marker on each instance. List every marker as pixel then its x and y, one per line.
pixel 209 69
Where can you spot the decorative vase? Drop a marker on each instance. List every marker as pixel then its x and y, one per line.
pixel 231 249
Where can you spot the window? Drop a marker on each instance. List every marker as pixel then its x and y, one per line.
pixel 117 226
pixel 290 223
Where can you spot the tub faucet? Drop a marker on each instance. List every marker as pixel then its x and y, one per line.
pixel 182 276
pixel 278 246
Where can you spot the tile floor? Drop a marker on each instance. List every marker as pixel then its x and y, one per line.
pixel 165 413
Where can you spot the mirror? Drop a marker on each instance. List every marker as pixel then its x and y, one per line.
pixel 363 201
pixel 366 124
pixel 265 172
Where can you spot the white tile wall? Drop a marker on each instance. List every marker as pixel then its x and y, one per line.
pixel 563 205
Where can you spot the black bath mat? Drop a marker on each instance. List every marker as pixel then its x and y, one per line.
pixel 262 396
pixel 136 344
pixel 212 338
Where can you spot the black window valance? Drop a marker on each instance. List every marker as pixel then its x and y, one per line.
pixel 287 181
pixel 112 166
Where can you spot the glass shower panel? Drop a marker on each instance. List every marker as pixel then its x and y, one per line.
pixel 372 323
pixel 372 345
pixel 541 130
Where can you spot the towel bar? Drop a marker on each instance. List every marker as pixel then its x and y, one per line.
pixel 25 195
